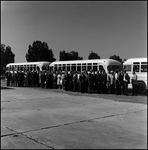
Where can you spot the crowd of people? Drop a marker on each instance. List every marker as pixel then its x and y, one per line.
pixel 84 82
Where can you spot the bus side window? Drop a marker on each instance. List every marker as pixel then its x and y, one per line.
pixel 68 67
pixel 127 68
pixel 143 66
pixel 89 66
pixel 30 67
pixel 12 68
pixel 83 67
pixel 64 67
pixel 22 67
pixel 95 66
pixel 73 67
pixel 51 68
pixel 55 67
pixel 78 67
pixel 136 66
pixel 59 67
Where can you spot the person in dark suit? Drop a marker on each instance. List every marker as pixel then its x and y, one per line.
pixel 66 79
pixel 43 79
pixel 93 76
pixel 126 80
pixel 8 77
pixel 90 81
pixel 71 81
pixel 29 78
pixel 120 80
pixel 104 82
pixel 98 78
pixel 74 79
pixel 86 82
pixel 117 82
pixel 82 82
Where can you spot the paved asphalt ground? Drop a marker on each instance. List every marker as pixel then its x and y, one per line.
pixel 34 118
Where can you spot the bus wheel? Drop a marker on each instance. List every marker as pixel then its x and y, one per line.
pixel 141 87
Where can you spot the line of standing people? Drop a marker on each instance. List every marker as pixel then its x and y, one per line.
pixel 84 82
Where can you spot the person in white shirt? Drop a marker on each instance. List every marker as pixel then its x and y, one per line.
pixel 134 83
pixel 112 82
pixel 59 80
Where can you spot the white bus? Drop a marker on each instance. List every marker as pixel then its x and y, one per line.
pixel 42 65
pixel 140 66
pixel 80 65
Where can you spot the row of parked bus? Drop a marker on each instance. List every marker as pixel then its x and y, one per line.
pixel 137 64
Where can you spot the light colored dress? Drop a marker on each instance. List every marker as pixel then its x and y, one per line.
pixel 58 79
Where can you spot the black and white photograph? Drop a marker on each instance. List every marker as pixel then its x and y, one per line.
pixel 74 75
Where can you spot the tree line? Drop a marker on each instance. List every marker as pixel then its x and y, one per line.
pixel 39 51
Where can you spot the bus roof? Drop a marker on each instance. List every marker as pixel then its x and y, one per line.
pixel 85 61
pixel 29 63
pixel 131 60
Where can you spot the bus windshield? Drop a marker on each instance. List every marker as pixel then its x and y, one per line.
pixel 113 67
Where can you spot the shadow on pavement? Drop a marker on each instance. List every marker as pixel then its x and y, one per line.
pixel 5 88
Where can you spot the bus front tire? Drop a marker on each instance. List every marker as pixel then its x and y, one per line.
pixel 141 87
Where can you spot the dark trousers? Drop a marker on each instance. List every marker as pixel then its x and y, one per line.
pixel 66 85
pixel 104 88
pixel 118 87
pixel 55 83
pixel 89 87
pixel 125 88
pixel 74 86
pixel 134 89
pixel 86 86
pixel 8 82
pixel 79 86
pixel 71 86
pixel 94 87
pixel 29 82
pixel 98 88
pixel 82 87
pixel 112 88
pixel 16 83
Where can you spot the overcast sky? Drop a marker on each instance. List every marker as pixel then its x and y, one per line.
pixel 107 28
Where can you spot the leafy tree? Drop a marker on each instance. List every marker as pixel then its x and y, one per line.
pixel 39 51
pixel 124 60
pixel 93 55
pixel 69 56
pixel 116 58
pixel 7 56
